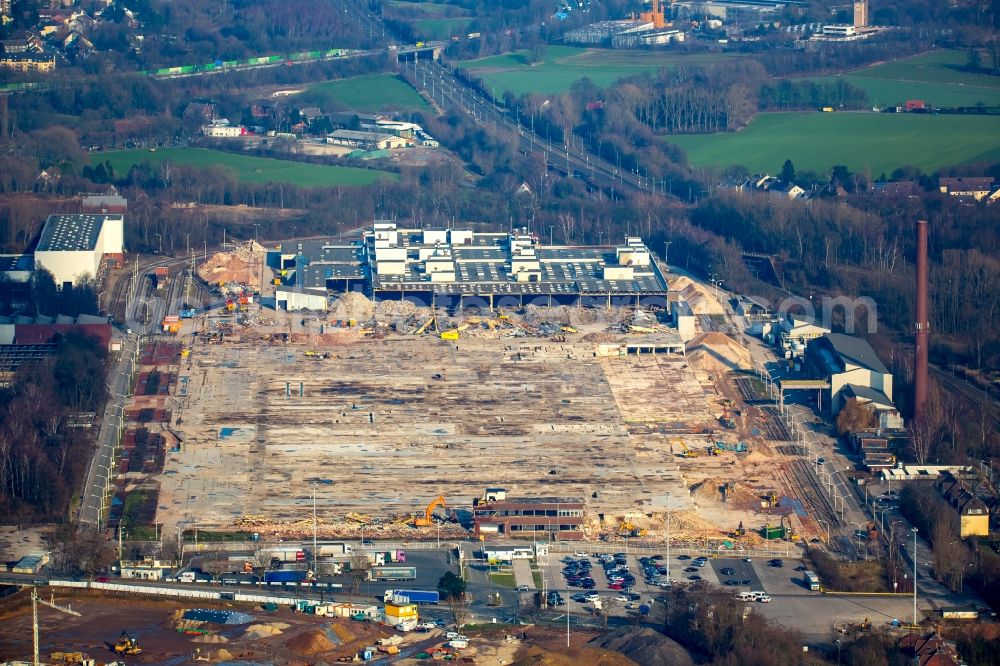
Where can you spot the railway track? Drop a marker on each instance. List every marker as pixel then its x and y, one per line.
pixel 809 490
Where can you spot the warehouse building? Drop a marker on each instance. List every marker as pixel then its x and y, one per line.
pixel 75 245
pixel 457 269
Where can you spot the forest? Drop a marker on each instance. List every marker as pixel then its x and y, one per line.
pixel 43 451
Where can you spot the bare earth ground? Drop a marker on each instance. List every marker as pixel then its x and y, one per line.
pixel 382 435
pixel 16 542
pixel 279 637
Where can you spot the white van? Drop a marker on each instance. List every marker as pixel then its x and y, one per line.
pixel 764 599
pixel 745 596
pixel 757 595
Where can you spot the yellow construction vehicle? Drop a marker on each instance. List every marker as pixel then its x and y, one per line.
pixel 127 645
pixel 769 500
pixel 569 329
pixel 185 352
pixel 427 519
pixel 686 451
pixel 426 326
pixel 450 335
pixel 641 329
pixel 627 529
pixel 70 658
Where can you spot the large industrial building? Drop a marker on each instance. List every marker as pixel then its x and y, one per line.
pixel 457 268
pixel 75 245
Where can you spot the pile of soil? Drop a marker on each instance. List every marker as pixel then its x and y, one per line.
pixel 210 638
pixel 701 299
pixel 258 631
pixel 717 352
pixel 343 633
pixel 645 646
pixel 312 641
pixel 538 656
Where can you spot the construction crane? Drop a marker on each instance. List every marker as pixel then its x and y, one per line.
pixel 427 520
pixel 34 618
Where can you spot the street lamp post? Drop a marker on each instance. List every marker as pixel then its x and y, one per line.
pixel 315 551
pixel 668 537
pixel 914 530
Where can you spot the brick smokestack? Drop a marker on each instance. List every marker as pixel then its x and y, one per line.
pixel 922 329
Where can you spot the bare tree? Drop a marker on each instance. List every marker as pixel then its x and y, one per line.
pixel 359 571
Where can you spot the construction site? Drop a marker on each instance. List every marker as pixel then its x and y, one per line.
pixel 376 409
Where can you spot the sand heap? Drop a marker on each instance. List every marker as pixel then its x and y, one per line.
pixel 310 642
pixel 240 265
pixel 701 300
pixel 716 352
pixel 264 630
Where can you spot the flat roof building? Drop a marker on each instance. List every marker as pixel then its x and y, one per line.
pixel 457 268
pixel 74 245
pixel 527 517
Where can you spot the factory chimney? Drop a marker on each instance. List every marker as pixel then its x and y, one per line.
pixel 922 329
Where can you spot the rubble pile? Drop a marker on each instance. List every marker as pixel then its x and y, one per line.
pixel 241 265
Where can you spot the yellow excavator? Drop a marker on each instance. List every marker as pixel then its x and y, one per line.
pixel 686 451
pixel 427 519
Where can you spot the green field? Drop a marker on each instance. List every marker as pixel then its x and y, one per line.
pixel 248 169
pixel 441 28
pixel 375 92
pixel 937 78
pixel 428 7
pixel 878 142
pixel 561 66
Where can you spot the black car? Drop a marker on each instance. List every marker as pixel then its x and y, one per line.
pixel 801 567
pixel 683 557
pixel 656 557
pixel 746 582
pixel 579 597
pixel 727 571
pixel 588 584
pixel 695 577
pixel 690 569
pixel 776 565
pixel 632 596
pixel 731 582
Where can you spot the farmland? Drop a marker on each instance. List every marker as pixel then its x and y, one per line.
pixel 561 66
pixel 441 28
pixel 936 77
pixel 874 141
pixel 247 168
pixel 371 93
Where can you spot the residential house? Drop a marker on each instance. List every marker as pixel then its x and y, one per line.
pixel 900 188
pixel 972 187
pixel 974 515
pixel 844 360
pixel 28 62
pixel 930 650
